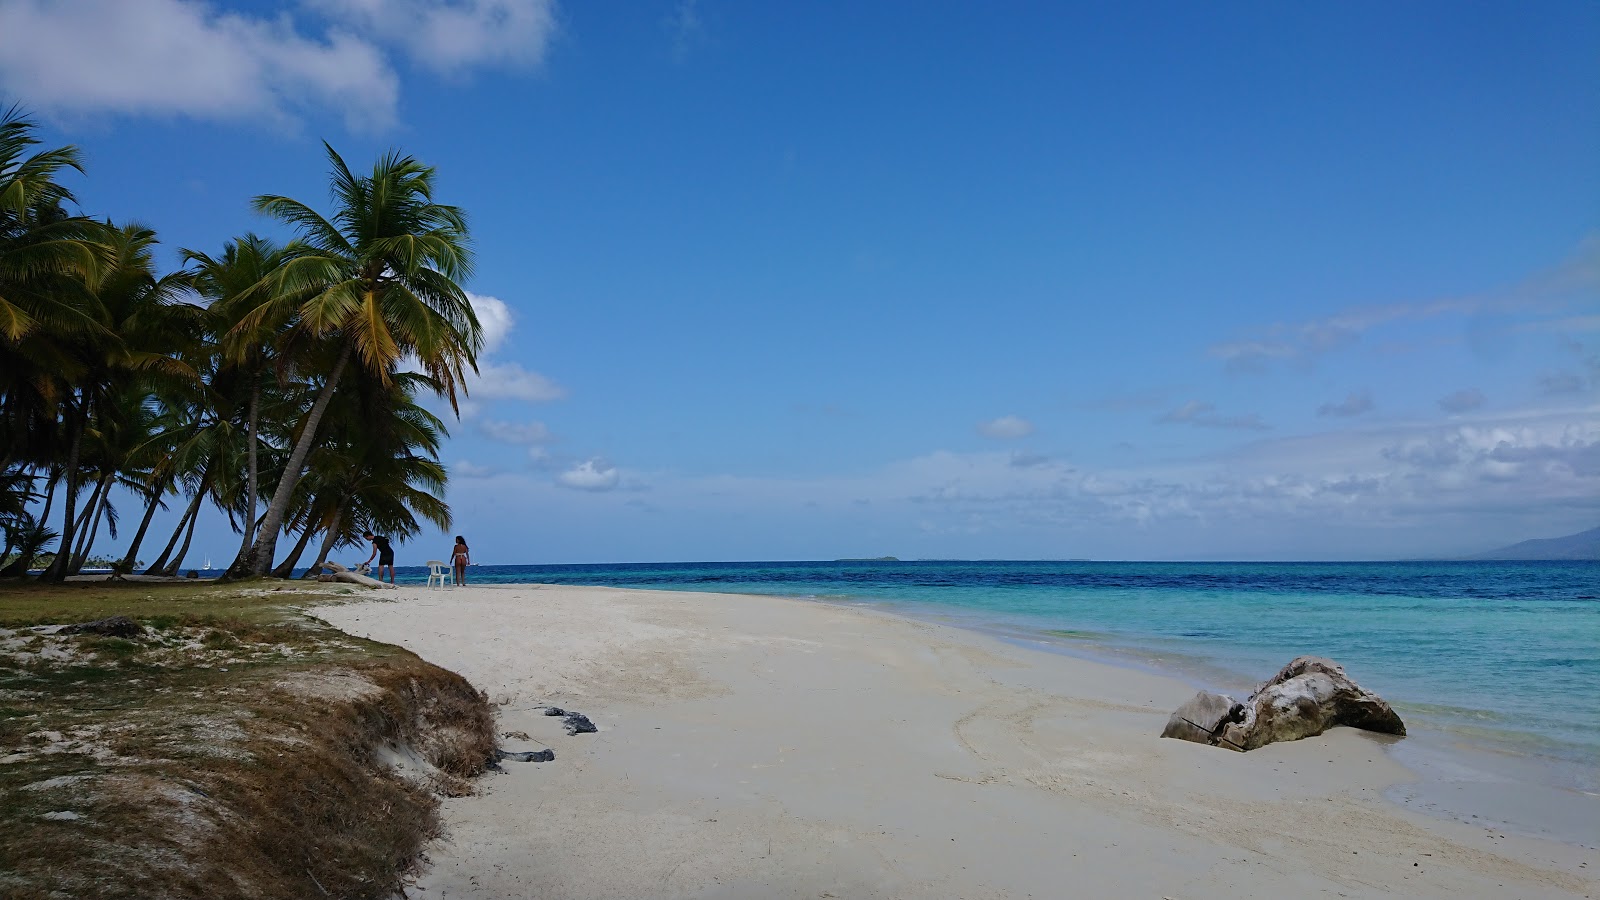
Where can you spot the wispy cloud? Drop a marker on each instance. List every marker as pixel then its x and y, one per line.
pixel 515 432
pixel 1464 400
pixel 1006 428
pixel 1203 414
pixel 451 35
pixel 1358 403
pixel 1547 295
pixel 685 29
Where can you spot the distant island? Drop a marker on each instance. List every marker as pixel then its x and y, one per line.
pixel 872 559
pixel 1583 545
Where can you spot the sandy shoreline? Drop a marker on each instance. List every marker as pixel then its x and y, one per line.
pixel 762 747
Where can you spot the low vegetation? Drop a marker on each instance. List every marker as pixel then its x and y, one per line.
pixel 230 745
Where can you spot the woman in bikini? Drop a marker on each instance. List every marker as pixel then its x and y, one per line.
pixel 461 557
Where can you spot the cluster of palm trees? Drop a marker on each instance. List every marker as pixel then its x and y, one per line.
pixel 276 382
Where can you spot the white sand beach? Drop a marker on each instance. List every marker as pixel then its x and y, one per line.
pixel 761 747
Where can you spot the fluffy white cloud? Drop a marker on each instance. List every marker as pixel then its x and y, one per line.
pixel 590 475
pixel 1006 428
pixel 494 319
pixel 167 57
pixel 515 432
pixel 510 381
pixel 196 58
pixel 450 35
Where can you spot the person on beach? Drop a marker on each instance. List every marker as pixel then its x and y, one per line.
pixel 461 557
pixel 384 551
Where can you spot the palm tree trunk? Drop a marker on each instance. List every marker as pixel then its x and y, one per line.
pixel 102 497
pixel 267 542
pixel 239 568
pixel 172 568
pixel 287 567
pixel 129 561
pixel 50 494
pixel 189 512
pixel 333 534
pixel 57 572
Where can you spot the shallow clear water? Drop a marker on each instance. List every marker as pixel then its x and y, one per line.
pixel 1507 654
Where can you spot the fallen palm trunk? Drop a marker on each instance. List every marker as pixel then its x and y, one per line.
pixel 336 572
pixel 1307 697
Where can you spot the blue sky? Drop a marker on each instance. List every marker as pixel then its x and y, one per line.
pixel 799 281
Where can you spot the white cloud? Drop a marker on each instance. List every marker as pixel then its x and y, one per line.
pixel 495 319
pixel 1358 403
pixel 1006 428
pixel 167 57
pixel 450 35
pixel 73 58
pixel 590 475
pixel 515 432
pixel 510 381
pixel 467 469
pixel 1204 415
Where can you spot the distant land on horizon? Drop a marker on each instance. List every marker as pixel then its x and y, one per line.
pixel 1583 545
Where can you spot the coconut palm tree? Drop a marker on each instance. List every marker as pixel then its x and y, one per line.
pixel 379 282
pixel 245 351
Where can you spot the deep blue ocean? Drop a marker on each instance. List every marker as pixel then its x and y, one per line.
pixel 1505 653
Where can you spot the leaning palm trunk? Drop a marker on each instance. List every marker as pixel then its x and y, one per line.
pixel 129 561
pixel 58 568
pixel 172 567
pixel 333 534
pixel 101 499
pixel 190 512
pixel 267 541
pixel 82 527
pixel 286 568
pixel 239 567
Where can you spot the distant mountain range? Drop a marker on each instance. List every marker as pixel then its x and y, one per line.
pixel 1583 545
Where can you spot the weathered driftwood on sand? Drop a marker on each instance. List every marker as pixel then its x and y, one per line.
pixel 336 572
pixel 1307 697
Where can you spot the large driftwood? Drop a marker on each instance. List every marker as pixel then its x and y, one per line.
pixel 335 572
pixel 1307 697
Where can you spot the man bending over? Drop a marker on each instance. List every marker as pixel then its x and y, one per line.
pixel 384 552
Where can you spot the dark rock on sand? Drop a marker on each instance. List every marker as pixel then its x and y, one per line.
pixel 578 723
pixel 1307 697
pixel 554 711
pixel 526 755
pixel 115 626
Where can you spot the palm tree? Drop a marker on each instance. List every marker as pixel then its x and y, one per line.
pixel 47 259
pixel 246 350
pixel 144 328
pixel 379 282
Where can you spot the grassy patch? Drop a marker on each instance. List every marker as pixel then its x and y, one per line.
pixel 231 749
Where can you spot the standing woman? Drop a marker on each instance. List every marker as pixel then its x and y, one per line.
pixel 461 557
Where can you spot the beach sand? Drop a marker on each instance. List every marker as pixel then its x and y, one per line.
pixel 764 747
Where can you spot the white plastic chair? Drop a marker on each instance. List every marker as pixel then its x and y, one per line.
pixel 439 573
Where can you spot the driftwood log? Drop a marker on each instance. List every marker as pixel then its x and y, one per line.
pixel 332 571
pixel 1307 697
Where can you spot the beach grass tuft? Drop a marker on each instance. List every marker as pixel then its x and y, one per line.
pixel 236 747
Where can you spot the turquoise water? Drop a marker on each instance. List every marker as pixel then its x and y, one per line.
pixel 1506 653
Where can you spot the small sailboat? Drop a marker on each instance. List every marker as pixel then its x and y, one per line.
pixel 207 566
